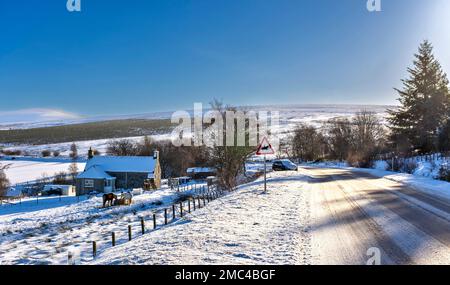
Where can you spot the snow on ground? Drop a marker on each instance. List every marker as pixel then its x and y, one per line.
pixel 82 146
pixel 27 169
pixel 244 227
pixel 44 231
pixel 422 183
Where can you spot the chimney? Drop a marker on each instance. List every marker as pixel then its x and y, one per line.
pixel 90 153
pixel 156 155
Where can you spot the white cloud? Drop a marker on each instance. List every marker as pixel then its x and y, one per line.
pixel 35 116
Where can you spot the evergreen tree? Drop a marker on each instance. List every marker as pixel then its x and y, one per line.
pixel 425 103
pixel 444 137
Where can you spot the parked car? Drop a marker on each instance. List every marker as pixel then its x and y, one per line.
pixel 284 165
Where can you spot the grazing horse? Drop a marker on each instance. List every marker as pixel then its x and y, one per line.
pixel 108 199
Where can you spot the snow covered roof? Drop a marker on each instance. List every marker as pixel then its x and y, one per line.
pixel 136 164
pixel 13 192
pixel 94 172
pixel 201 170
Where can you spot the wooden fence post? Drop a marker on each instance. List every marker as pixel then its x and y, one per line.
pixel 193 202
pixel 154 221
pixel 129 233
pixel 204 201
pixel 199 203
pixel 181 209
pixel 70 258
pixel 142 225
pixel 189 205
pixel 165 216
pixel 173 212
pixel 113 239
pixel 94 249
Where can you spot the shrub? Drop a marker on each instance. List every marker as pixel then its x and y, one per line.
pixel 360 160
pixel 46 153
pixel 409 167
pixel 11 152
pixel 444 173
pixel 56 153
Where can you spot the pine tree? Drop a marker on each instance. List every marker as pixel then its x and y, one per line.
pixel 425 103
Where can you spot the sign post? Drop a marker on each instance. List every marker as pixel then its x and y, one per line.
pixel 265 148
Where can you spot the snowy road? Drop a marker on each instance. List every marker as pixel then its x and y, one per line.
pixel 352 212
pixel 315 216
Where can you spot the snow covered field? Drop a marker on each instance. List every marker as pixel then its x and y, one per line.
pixel 44 231
pixel 28 169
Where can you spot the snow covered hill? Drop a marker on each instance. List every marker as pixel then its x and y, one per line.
pixel 290 116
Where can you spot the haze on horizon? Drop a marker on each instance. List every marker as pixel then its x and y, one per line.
pixel 118 58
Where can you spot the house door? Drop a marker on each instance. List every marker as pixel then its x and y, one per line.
pixel 109 186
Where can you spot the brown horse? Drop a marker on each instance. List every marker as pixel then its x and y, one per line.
pixel 108 199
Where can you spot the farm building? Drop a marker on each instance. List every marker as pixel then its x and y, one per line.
pixel 201 173
pixel 65 190
pixel 109 173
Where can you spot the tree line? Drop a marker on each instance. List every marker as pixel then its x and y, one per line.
pixel 421 124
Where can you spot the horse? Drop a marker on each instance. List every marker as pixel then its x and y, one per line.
pixel 109 199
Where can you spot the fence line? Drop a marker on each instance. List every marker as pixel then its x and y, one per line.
pixel 204 195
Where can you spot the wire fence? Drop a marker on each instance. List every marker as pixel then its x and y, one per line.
pixel 408 162
pixel 144 224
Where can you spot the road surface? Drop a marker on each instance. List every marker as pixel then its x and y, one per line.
pixel 354 215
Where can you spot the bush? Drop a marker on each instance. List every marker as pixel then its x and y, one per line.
pixel 409 166
pixel 11 152
pixel 444 173
pixel 56 153
pixel 46 153
pixel 360 160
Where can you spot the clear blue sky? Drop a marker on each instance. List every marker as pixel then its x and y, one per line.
pixel 122 56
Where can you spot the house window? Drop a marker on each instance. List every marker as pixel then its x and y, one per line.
pixel 107 183
pixel 89 183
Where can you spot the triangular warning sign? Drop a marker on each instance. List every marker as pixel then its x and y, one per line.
pixel 265 147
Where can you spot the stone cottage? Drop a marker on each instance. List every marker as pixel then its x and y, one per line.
pixel 111 173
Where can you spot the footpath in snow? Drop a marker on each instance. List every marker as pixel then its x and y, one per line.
pixel 244 227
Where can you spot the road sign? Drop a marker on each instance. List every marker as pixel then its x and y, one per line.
pixel 265 147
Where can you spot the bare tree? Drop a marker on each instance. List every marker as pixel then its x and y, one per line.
pixel 229 160
pixel 73 151
pixel 368 137
pixel 73 170
pixel 340 138
pixel 4 182
pixel 308 144
pixel 145 147
pixel 124 147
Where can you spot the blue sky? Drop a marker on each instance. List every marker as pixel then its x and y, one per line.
pixel 122 57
